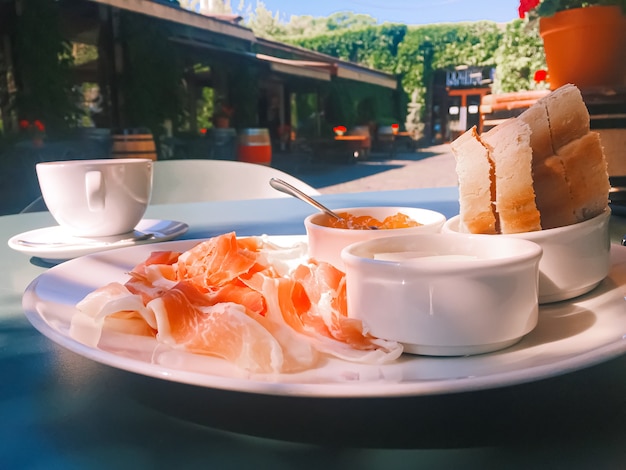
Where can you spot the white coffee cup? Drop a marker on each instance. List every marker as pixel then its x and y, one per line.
pixel 96 198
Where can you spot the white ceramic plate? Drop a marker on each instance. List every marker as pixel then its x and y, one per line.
pixel 54 244
pixel 570 335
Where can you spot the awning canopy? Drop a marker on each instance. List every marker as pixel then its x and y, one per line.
pixel 305 58
pixel 323 70
pixel 182 16
pixel 301 62
pixel 302 68
pixel 362 74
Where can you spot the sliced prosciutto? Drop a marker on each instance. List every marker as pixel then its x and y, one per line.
pixel 261 307
pixel 223 330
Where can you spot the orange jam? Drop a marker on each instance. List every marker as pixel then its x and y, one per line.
pixel 365 222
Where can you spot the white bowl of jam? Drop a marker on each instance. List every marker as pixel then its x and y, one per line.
pixel 327 237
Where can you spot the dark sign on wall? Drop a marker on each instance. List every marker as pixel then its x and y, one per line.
pixel 465 76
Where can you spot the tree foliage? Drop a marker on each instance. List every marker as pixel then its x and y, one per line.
pixel 410 52
pixel 469 44
pixel 451 45
pixel 152 83
pixel 372 46
pixel 266 24
pixel 44 61
pixel 514 49
pixel 402 50
pixel 518 57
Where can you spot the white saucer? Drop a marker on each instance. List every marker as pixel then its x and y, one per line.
pixel 55 244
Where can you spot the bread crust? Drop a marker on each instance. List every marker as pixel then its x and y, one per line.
pixel 542 170
pixel 509 145
pixel 568 116
pixel 587 176
pixel 552 193
pixel 540 139
pixel 475 172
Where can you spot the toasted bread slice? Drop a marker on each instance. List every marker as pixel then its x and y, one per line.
pixel 567 115
pixel 475 172
pixel 544 169
pixel 586 171
pixel 540 139
pixel 552 193
pixel 509 146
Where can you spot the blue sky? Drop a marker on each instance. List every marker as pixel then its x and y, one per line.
pixel 399 11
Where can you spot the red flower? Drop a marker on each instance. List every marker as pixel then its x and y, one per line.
pixel 35 130
pixel 526 5
pixel 39 125
pixel 541 76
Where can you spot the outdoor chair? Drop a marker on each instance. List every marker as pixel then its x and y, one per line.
pixel 178 181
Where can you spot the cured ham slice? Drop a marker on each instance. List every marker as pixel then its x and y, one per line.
pixel 333 332
pixel 223 330
pixel 261 307
pixel 297 352
pixel 105 304
pixel 154 276
pixel 217 261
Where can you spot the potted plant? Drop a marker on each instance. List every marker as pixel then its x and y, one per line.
pixel 35 131
pixel 584 41
pixel 339 130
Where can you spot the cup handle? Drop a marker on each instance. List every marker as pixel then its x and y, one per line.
pixel 94 190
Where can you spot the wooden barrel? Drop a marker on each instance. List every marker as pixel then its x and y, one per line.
pixel 254 146
pixel 134 145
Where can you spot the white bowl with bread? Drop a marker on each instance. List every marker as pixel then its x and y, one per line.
pixel 326 237
pixel 576 257
pixel 541 176
pixel 444 295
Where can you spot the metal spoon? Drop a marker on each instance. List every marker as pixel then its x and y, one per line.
pixel 286 188
pixel 138 236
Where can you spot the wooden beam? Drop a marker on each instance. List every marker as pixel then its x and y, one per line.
pixel 181 16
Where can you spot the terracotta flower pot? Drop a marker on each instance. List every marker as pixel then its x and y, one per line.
pixel 586 47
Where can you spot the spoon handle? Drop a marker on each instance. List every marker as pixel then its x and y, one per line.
pixel 286 188
pixel 137 237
